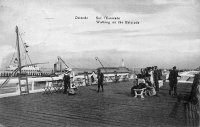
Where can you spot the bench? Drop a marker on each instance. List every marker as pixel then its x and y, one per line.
pixel 140 92
pixel 53 86
pixel 58 86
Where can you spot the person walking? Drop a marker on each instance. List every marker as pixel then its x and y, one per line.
pixel 173 81
pixel 100 80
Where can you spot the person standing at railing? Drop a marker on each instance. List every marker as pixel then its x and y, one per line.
pixel 173 81
pixel 66 80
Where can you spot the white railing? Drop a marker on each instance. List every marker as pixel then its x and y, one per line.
pixel 32 83
pixel 35 86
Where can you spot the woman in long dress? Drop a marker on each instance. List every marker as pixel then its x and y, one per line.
pixel 151 77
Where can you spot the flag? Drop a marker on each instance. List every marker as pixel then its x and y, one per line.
pixel 16 60
pixel 26 45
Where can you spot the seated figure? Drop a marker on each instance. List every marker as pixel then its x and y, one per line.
pixel 150 91
pixel 140 84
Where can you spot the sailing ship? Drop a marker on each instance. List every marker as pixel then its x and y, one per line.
pixel 30 69
pixel 22 71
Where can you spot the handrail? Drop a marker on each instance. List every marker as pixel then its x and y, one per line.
pixel 16 71
pixel 193 93
pixel 59 58
pixel 9 77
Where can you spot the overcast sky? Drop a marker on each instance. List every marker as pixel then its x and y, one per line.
pixel 168 32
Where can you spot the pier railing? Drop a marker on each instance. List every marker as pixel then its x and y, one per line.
pixel 37 84
pixel 193 108
pixel 195 91
pixel 34 84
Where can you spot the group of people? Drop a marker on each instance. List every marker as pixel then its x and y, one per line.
pixel 68 78
pixel 148 79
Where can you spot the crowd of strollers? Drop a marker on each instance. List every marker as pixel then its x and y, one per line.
pixel 148 81
pixel 68 78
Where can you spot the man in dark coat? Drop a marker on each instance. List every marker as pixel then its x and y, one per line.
pixel 156 78
pixel 66 80
pixel 100 80
pixel 173 80
pixel 116 77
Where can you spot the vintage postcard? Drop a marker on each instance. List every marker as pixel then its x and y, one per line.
pixel 125 62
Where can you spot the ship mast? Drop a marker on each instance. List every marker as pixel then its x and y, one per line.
pixel 23 87
pixel 18 51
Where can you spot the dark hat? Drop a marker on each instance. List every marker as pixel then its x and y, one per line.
pixel 149 68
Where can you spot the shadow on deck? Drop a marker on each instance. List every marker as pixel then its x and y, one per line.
pixel 113 107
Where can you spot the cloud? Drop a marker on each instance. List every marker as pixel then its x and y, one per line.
pixel 179 36
pixel 130 6
pixel 133 59
pixel 167 28
pixel 108 32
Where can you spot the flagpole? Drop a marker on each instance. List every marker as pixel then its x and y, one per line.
pixel 18 51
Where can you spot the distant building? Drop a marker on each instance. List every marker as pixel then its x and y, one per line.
pixel 111 70
pixel 27 68
pixel 198 68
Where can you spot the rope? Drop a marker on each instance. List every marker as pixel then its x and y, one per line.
pixel 97 59
pixel 13 54
pixel 25 48
pixel 9 77
pixel 12 58
pixel 72 65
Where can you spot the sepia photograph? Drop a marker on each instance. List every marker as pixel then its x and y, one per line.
pixel 99 63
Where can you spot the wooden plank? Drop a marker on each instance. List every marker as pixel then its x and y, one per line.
pixel 114 107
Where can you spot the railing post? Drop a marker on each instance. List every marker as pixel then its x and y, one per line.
pixel 18 89
pixel 33 84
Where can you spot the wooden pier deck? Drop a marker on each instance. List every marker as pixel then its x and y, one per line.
pixel 111 108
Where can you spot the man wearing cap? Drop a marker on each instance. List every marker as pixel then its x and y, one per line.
pixel 173 80
pixel 66 80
